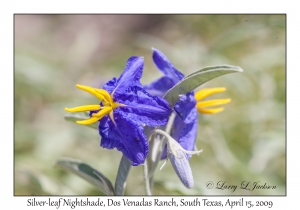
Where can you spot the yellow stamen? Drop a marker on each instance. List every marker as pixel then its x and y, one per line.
pixel 88 121
pixel 92 91
pixel 111 116
pixel 107 106
pixel 83 108
pixel 105 94
pixel 102 112
pixel 210 111
pixel 213 102
pixel 207 92
pixel 115 105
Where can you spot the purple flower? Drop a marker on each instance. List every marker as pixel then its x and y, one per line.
pixel 124 110
pixel 181 143
pixel 186 121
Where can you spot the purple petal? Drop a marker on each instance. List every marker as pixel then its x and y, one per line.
pixel 160 86
pixel 188 131
pixel 127 136
pixel 163 64
pixel 110 85
pixel 184 107
pixel 187 137
pixel 131 74
pixel 143 107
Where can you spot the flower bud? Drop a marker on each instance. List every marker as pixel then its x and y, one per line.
pixel 182 168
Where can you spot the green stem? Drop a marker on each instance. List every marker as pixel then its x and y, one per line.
pixel 146 180
pixel 170 122
pixel 148 175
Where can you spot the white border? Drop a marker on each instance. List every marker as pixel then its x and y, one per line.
pixel 155 6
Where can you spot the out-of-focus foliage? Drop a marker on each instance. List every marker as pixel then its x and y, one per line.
pixel 53 53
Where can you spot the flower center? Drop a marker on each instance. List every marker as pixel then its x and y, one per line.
pixel 205 93
pixel 107 107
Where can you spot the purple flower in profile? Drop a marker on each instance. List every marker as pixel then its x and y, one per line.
pixel 125 108
pixel 186 121
pixel 181 143
pixel 185 125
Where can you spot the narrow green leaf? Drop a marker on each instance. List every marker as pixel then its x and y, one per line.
pixel 123 172
pixel 194 80
pixel 108 185
pixel 73 117
pixel 88 173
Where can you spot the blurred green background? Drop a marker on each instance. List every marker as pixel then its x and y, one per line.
pixel 53 53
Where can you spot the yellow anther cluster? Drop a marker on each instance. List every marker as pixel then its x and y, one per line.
pixel 108 105
pixel 201 105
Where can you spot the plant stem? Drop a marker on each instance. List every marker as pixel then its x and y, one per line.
pixel 170 122
pixel 146 180
pixel 148 177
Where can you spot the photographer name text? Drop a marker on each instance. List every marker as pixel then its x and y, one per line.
pixel 245 185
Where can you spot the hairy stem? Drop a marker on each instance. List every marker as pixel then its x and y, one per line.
pixel 148 175
pixel 170 122
pixel 146 180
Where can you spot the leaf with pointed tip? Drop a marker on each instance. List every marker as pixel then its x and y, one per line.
pixel 73 117
pixel 108 185
pixel 194 80
pixel 88 173
pixel 123 172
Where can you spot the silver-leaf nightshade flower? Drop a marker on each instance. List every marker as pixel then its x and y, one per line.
pixel 125 108
pixel 186 121
pixel 184 128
